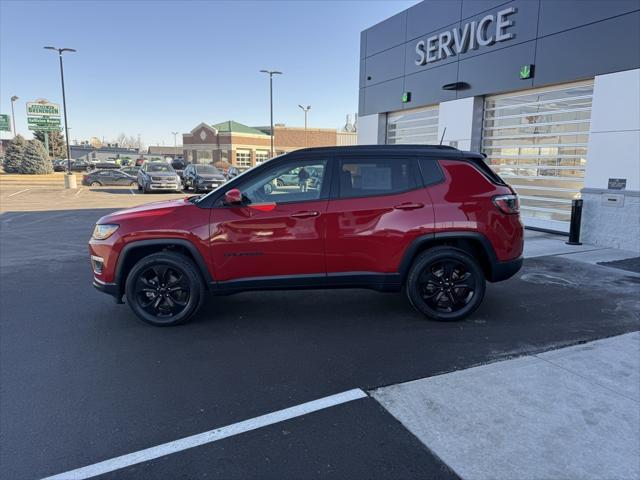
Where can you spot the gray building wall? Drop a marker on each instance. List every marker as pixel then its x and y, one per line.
pixel 566 40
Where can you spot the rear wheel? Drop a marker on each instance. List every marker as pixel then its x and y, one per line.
pixel 164 289
pixel 133 184
pixel 445 284
pixel 96 184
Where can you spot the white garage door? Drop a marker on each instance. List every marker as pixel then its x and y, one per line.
pixel 537 141
pixel 418 126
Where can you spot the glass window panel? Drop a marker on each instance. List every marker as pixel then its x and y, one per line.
pixel 537 141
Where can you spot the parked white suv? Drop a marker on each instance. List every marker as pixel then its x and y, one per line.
pixel 158 176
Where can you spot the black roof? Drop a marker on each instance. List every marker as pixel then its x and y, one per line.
pixel 440 151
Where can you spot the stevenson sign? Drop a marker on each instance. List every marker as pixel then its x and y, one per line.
pixel 489 30
pixel 43 109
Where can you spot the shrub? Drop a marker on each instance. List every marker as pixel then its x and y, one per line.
pixel 36 159
pixel 14 154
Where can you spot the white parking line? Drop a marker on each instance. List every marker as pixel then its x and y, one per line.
pixel 132 192
pixel 78 192
pixel 208 437
pixel 18 193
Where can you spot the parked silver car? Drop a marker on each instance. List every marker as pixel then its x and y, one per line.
pixel 158 176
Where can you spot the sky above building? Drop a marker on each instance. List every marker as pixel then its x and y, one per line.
pixel 153 67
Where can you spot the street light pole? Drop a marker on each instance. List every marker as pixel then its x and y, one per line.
pixel 271 73
pixel 175 145
pixel 13 115
pixel 64 103
pixel 305 110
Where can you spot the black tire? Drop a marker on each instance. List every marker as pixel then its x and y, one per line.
pixel 279 183
pixel 139 187
pixel 96 184
pixel 445 284
pixel 144 189
pixel 149 279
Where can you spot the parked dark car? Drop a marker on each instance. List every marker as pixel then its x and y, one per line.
pixel 202 178
pixel 139 161
pixel 80 166
pixel 59 165
pixel 106 166
pixel 433 222
pixel 109 177
pixel 179 164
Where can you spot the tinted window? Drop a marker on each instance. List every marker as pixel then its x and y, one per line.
pixel 206 169
pixel 159 167
pixel 291 182
pixel 378 176
pixel 431 172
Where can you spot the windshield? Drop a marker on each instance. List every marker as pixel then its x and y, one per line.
pixel 206 169
pixel 159 167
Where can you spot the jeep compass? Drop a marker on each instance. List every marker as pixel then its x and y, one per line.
pixel 431 221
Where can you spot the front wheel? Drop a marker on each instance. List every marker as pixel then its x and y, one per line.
pixel 445 284
pixel 96 184
pixel 164 289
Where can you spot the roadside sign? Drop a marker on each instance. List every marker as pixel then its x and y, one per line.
pixel 45 128
pixel 4 123
pixel 44 121
pixel 43 109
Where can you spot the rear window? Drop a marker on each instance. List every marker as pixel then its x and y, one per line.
pixel 377 176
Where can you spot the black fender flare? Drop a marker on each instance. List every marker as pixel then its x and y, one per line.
pixel 131 246
pixel 424 240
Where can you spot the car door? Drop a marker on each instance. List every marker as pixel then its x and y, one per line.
pixel 277 231
pixel 378 207
pixel 120 178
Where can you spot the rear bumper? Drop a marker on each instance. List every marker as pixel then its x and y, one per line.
pixel 504 270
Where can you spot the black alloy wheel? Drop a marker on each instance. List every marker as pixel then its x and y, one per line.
pixel 445 284
pixel 164 289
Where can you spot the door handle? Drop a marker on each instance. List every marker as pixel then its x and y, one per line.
pixel 305 214
pixel 408 206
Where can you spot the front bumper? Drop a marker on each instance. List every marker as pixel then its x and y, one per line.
pixel 108 288
pixel 165 186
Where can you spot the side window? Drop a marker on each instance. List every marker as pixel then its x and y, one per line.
pixel 431 171
pixel 376 176
pixel 290 182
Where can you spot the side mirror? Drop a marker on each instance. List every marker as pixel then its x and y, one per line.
pixel 233 197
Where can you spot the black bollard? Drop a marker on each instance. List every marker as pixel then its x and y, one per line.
pixel 576 219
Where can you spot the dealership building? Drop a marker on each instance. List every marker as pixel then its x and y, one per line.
pixel 233 143
pixel 549 90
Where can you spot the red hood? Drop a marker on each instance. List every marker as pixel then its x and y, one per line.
pixel 146 210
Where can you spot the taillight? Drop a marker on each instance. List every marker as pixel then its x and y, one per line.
pixel 508 204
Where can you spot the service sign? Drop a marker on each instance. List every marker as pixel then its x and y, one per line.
pixel 44 109
pixel 470 36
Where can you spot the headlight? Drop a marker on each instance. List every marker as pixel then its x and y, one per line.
pixel 102 232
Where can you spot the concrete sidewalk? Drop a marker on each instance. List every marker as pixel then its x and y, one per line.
pixel 567 413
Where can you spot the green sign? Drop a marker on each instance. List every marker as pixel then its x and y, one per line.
pixel 4 123
pixel 45 128
pixel 43 121
pixel 526 71
pixel 406 97
pixel 43 108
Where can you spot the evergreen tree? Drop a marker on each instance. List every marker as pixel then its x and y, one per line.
pixel 57 145
pixel 35 160
pixel 14 154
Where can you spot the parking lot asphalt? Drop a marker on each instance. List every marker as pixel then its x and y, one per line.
pixel 84 381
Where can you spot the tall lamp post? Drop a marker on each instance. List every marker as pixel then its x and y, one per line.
pixel 175 145
pixel 13 115
pixel 305 110
pixel 60 51
pixel 271 73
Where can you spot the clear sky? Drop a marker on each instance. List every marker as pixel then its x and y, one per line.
pixel 152 67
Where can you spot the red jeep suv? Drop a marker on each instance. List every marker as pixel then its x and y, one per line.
pixel 433 221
